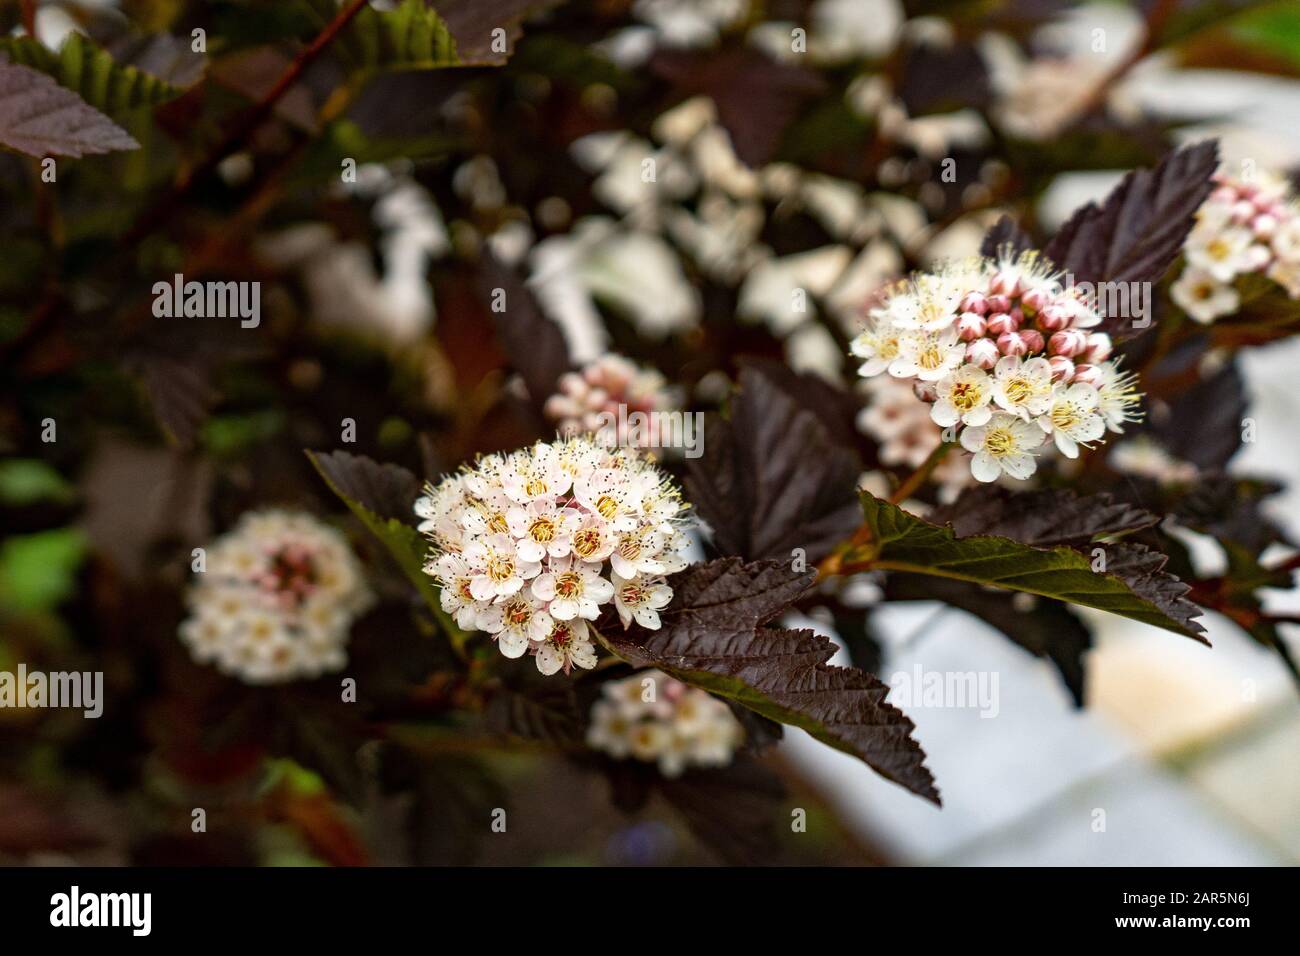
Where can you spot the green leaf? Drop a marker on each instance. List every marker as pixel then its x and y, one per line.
pixel 38 571
pixel 712 636
pixel 1133 586
pixel 90 71
pixel 24 481
pixel 375 494
pixel 412 36
pixel 1272 28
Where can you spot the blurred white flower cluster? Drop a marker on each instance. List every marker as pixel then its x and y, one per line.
pixel 276 599
pixel 1244 227
pixel 657 719
pixel 600 398
pixel 1002 353
pixel 906 436
pixel 530 546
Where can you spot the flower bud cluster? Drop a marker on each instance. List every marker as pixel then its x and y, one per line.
pixel 1242 228
pixel 532 546
pixel 1005 354
pixel 657 719
pixel 275 599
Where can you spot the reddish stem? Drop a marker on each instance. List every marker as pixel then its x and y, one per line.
pixel 246 125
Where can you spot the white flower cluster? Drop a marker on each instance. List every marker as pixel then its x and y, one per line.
pixel 276 599
pixel 1001 351
pixel 522 544
pixel 604 399
pixel 657 719
pixel 1243 227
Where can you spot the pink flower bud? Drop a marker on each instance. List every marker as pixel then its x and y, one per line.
pixel 1002 322
pixel 1068 342
pixel 999 303
pixel 1033 339
pixel 1053 318
pixel 1062 368
pixel 1003 283
pixel 1088 375
pixel 1012 343
pixel 1263 225
pixel 971 326
pixel 1262 202
pixel 1243 211
pixel 1224 195
pixel 975 302
pixel 1035 299
pixel 925 391
pixel 983 353
pixel 1099 348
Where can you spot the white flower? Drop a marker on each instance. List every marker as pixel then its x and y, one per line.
pixel 456 597
pixel 1202 296
pixel 612 494
pixel 1073 419
pixel 276 600
pixel 879 343
pixel 610 730
pixel 573 589
pixel 516 624
pixel 1005 444
pixel 928 356
pixel 542 529
pixel 498 570
pixel 964 396
pixel 1023 387
pixel 567 644
pixel 638 552
pixel 534 476
pixel 1286 238
pixel 1117 396
pixel 1286 274
pixel 1222 252
pixel 640 599
pixel 593 539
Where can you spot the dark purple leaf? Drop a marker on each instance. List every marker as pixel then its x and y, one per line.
pixel 389 491
pixel 772 479
pixel 1041 518
pixel 533 343
pixel 1005 236
pixel 712 636
pixel 1139 231
pixel 41 118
